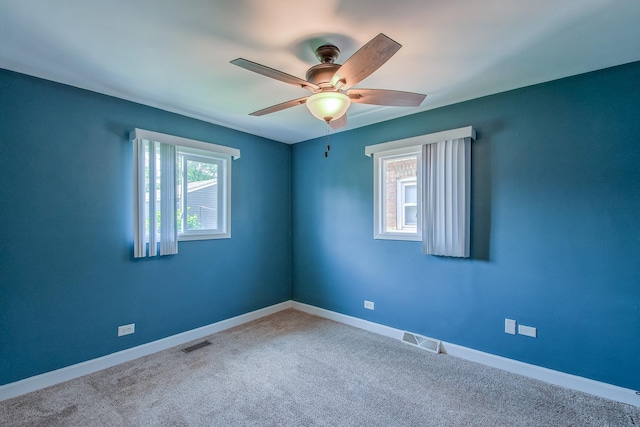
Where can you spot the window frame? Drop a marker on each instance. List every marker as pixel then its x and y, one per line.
pixel 223 163
pixel 379 194
pixel 143 244
pixel 402 203
pixel 428 202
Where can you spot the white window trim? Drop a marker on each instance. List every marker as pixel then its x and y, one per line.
pixel 378 185
pixel 224 195
pixel 402 204
pixel 430 138
pixel 183 142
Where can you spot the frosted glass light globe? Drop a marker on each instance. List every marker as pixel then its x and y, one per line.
pixel 328 106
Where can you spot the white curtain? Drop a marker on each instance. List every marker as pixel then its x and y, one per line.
pixel 168 226
pixel 167 171
pixel 447 198
pixel 139 241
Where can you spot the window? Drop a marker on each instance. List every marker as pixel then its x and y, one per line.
pixel 408 203
pixel 422 188
pixel 397 194
pixel 201 197
pixel 182 191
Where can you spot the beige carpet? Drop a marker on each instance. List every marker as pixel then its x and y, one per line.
pixel 294 369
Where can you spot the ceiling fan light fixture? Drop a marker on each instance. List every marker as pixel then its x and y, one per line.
pixel 327 106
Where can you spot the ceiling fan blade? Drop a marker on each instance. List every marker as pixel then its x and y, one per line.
pixel 274 74
pixel 339 123
pixel 365 61
pixel 280 107
pixel 394 98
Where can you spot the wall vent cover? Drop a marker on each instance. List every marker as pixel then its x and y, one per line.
pixel 425 343
pixel 196 347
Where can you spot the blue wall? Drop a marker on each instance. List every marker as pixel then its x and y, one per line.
pixel 67 276
pixel 555 229
pixel 556 240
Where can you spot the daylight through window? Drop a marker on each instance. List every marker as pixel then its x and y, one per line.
pixel 398 212
pixel 200 195
pixel 182 191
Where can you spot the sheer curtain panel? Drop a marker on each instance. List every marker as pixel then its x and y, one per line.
pixel 154 198
pixel 447 198
pixel 168 224
pixel 139 195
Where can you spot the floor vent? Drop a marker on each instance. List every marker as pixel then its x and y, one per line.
pixel 425 343
pixel 196 347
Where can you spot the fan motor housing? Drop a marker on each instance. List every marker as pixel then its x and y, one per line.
pixel 321 74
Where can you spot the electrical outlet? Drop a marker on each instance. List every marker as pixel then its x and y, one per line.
pixel 528 331
pixel 510 326
pixel 369 304
pixel 126 329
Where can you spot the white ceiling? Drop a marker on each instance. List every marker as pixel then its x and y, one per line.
pixel 175 55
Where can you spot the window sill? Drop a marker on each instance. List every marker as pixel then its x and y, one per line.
pixel 186 238
pixel 398 236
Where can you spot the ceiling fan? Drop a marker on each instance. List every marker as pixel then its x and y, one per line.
pixel 332 83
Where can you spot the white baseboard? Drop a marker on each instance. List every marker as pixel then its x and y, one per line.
pixel 574 382
pixel 562 379
pixel 47 379
pixel 596 388
pixel 376 328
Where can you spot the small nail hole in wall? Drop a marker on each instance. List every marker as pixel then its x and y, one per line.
pixel 326 154
pixel 328 148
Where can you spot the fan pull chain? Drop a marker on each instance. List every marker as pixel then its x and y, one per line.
pixel 326 153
